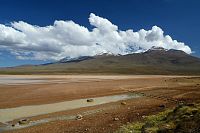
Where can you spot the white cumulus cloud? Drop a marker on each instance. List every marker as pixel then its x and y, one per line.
pixel 66 38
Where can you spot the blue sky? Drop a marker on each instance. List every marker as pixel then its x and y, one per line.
pixel 178 18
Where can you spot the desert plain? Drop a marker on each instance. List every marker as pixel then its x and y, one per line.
pixel 110 108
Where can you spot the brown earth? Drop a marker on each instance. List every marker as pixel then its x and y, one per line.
pixel 166 90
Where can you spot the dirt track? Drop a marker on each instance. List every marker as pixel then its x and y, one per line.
pixel 167 90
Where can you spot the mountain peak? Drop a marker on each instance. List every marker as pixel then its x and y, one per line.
pixel 107 54
pixel 157 48
pixel 76 59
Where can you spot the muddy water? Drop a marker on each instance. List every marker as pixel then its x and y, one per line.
pixel 9 127
pixel 17 80
pixel 10 114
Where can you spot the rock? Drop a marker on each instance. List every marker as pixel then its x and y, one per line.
pixel 166 128
pixel 110 125
pixel 162 106
pixel 190 104
pixel 180 104
pixel 143 116
pixel 123 103
pixel 116 119
pixel 79 117
pixel 194 111
pixel 23 121
pixel 90 100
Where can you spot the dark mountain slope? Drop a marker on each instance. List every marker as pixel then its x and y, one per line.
pixel 150 62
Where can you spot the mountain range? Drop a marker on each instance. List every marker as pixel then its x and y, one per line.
pixel 156 60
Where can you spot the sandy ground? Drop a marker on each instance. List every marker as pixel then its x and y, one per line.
pixel 158 90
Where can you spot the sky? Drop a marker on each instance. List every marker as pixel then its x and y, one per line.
pixel 41 31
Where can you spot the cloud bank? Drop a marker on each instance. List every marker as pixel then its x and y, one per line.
pixel 68 39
